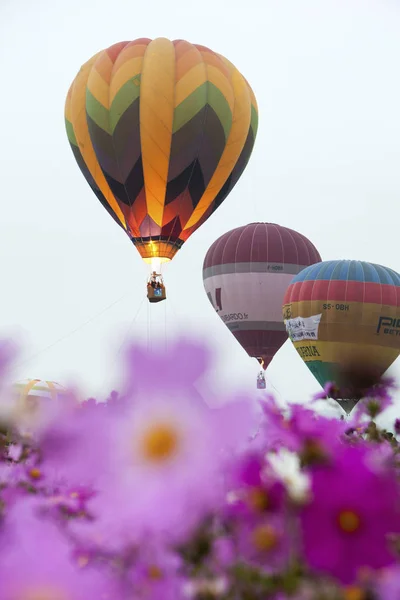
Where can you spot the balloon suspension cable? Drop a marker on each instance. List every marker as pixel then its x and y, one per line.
pixel 262 379
pixel 122 345
pixel 165 327
pixel 148 327
pixel 156 265
pixel 272 385
pixel 67 335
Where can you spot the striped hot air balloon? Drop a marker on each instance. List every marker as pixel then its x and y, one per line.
pixel 27 399
pixel 29 390
pixel 343 317
pixel 246 273
pixel 162 131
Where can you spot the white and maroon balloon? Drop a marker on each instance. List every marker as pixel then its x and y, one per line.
pixel 246 273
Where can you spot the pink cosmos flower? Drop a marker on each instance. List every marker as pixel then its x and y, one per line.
pixel 184 364
pixel 372 407
pixel 354 507
pixel 377 400
pixel 254 490
pixel 315 431
pixel 265 542
pixel 75 446
pixel 155 574
pixel 36 563
pixel 275 430
pixel 157 465
pixel 302 430
pixel 165 465
pixel 256 515
pixel 387 585
pixel 223 554
pixel 330 390
pixel 71 501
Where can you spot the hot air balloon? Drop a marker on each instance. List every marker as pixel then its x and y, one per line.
pixel 28 396
pixel 162 130
pixel 343 317
pixel 29 391
pixel 246 273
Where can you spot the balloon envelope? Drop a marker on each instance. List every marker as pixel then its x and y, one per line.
pixel 162 131
pixel 28 390
pixel 343 317
pixel 27 399
pixel 246 273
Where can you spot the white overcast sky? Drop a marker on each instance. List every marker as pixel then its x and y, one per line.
pixel 326 162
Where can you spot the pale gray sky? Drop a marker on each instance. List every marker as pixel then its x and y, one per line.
pixel 326 163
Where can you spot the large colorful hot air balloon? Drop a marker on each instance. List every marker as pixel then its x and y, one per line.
pixel 246 273
pixel 343 317
pixel 162 131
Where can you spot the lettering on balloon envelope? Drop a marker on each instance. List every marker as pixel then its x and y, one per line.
pixel 303 328
pixel 388 326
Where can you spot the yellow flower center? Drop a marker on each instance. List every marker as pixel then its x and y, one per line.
pixel 265 538
pixel 35 473
pixel 312 451
pixel 349 521
pixel 159 442
pixel 258 499
pixel 354 593
pixel 83 561
pixel 154 572
pixel 42 593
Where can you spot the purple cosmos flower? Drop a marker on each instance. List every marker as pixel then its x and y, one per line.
pixel 72 501
pixel 158 465
pixel 374 405
pixel 156 573
pixel 275 429
pixel 256 514
pixel 223 553
pixel 265 542
pixel 167 458
pixel 316 434
pixel 354 508
pixel 75 446
pixel 387 586
pixel 254 490
pixel 303 431
pixel 155 372
pixel 330 390
pixel 36 562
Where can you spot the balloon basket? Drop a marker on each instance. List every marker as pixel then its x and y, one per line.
pixel 156 294
pixel 261 383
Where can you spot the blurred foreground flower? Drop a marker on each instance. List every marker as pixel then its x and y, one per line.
pixel 153 494
pixel 354 509
pixel 37 562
